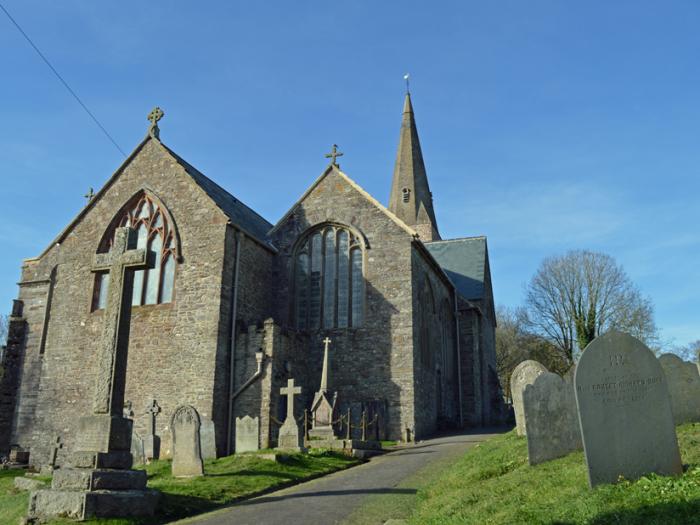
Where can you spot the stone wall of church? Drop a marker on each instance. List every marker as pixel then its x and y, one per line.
pixel 434 393
pixel 371 364
pixel 173 347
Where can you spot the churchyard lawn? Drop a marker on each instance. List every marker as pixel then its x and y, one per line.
pixel 227 480
pixel 493 484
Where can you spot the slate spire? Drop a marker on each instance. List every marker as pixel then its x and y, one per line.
pixel 411 199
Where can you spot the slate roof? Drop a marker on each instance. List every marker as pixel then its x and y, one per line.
pixel 240 214
pixel 464 262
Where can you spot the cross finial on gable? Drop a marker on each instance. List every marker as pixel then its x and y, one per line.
pixel 89 195
pixel 333 155
pixel 154 116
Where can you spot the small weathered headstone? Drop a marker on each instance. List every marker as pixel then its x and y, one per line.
pixel 289 437
pixel 137 453
pixel 683 382
pixel 247 434
pixel 207 439
pixel 625 411
pixel 523 374
pixel 187 456
pixel 550 418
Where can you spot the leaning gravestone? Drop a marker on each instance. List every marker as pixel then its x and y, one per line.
pixel 551 420
pixel 684 387
pixel 187 456
pixel 625 411
pixel 523 374
pixel 247 434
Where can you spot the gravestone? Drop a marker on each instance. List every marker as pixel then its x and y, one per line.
pixel 523 374
pixel 96 479
pixel 151 443
pixel 247 434
pixel 684 388
pixel 187 455
pixel 137 453
pixel 625 411
pixel 289 437
pixel 207 439
pixel 551 420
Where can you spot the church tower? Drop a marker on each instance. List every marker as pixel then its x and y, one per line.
pixel 411 199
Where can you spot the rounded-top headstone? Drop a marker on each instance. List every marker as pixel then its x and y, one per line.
pixel 524 374
pixel 625 411
pixel 684 387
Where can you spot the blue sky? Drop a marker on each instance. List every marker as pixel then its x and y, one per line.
pixel 545 125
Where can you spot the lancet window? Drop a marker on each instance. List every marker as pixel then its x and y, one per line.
pixel 154 233
pixel 328 280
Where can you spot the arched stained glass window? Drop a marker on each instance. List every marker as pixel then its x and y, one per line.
pixel 328 280
pixel 155 234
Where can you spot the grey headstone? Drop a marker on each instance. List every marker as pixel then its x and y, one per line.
pixel 550 418
pixel 137 451
pixel 523 374
pixel 625 411
pixel 187 456
pixel 207 437
pixel 247 434
pixel 684 387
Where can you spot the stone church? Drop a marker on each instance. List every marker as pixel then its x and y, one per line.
pixel 232 306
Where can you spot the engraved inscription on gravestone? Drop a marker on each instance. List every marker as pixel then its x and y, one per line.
pixel 624 411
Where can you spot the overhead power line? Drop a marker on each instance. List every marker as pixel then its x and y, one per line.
pixel 59 77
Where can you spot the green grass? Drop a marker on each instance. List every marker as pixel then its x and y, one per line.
pixel 226 481
pixel 493 484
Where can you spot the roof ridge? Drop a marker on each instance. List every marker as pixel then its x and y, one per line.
pixel 470 238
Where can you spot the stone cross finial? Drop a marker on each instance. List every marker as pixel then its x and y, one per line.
pixel 112 347
pixel 57 445
pixel 154 116
pixel 153 409
pixel 89 195
pixel 333 155
pixel 290 390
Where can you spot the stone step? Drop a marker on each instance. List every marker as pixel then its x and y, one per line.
pixel 81 505
pixel 100 479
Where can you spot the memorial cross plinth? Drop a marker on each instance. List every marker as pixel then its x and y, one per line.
pixel 323 407
pixel 97 481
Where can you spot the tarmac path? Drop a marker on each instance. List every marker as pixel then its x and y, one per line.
pixel 333 498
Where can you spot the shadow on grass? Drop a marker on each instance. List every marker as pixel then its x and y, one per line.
pixel 681 513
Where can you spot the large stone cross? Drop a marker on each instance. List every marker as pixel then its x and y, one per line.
pixel 112 346
pixel 154 116
pixel 290 390
pixel 325 371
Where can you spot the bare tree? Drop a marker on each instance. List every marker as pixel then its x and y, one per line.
pixel 515 343
pixel 574 298
pixel 689 352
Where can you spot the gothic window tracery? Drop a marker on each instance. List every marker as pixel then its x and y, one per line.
pixel 156 234
pixel 328 279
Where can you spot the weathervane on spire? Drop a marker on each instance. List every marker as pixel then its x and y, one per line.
pixel 333 155
pixel 406 77
pixel 154 116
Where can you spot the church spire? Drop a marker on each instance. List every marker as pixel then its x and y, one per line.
pixel 411 199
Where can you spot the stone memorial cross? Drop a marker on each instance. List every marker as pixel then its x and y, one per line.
pixel 153 410
pixel 113 344
pixel 324 372
pixel 290 391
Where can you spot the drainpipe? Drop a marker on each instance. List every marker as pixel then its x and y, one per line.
pixel 232 346
pixel 259 357
pixel 459 361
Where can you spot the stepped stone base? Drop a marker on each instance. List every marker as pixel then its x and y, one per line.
pixel 100 460
pixel 81 505
pixel 323 432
